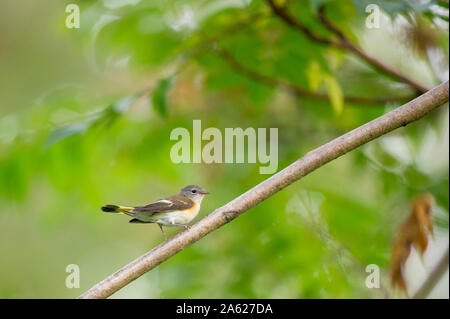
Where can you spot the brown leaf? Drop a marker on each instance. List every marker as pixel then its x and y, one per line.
pixel 414 231
pixel 420 35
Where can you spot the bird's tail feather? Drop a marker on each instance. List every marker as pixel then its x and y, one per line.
pixel 116 209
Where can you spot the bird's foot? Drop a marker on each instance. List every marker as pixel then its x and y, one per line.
pixel 183 225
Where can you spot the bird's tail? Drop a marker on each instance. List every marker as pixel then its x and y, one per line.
pixel 116 209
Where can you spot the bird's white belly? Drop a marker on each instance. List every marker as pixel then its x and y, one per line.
pixel 176 217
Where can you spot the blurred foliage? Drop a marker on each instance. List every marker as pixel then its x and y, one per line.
pixel 87 114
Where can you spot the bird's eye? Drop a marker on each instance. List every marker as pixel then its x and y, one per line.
pixel 194 191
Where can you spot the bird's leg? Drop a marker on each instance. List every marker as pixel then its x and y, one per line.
pixel 165 236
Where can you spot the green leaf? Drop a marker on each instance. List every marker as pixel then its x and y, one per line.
pixel 392 8
pixel 66 131
pixel 124 104
pixel 107 115
pixel 317 3
pixel 335 94
pixel 443 4
pixel 314 74
pixel 115 110
pixel 159 98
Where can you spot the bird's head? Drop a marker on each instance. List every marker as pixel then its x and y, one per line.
pixel 194 192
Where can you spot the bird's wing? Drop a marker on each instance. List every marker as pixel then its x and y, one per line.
pixel 176 202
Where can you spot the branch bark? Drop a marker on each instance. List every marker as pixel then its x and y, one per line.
pixel 401 116
pixel 343 42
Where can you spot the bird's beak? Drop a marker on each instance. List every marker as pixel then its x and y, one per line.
pixel 204 192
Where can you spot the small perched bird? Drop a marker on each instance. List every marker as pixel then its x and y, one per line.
pixel 176 210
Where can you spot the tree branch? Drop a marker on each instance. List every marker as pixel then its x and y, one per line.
pixel 211 41
pixel 347 44
pixel 297 90
pixel 344 43
pixel 296 24
pixel 431 281
pixel 401 116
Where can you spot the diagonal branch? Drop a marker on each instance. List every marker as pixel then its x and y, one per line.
pixel 434 277
pixel 347 44
pixel 296 24
pixel 211 41
pixel 401 116
pixel 344 42
pixel 295 89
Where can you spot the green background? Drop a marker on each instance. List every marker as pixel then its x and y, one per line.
pixel 86 116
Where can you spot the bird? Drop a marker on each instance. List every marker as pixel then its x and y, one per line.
pixel 176 210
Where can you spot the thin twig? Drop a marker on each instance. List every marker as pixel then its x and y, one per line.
pixel 346 43
pixel 297 90
pixel 401 116
pixel 296 24
pixel 210 41
pixel 343 42
pixel 431 281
